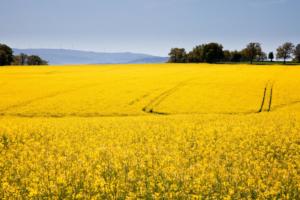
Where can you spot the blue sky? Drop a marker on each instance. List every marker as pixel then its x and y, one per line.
pixel 147 26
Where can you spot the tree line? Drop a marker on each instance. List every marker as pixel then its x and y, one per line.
pixel 7 58
pixel 214 53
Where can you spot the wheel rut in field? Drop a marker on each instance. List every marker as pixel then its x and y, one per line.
pixel 265 106
pixel 270 107
pixel 266 101
pixel 54 94
pixel 286 105
pixel 95 115
pixel 268 93
pixel 139 99
pixel 66 115
pixel 149 108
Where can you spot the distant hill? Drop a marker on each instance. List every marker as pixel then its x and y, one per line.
pixel 151 60
pixel 66 56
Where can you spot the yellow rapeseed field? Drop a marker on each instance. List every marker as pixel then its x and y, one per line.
pixel 161 131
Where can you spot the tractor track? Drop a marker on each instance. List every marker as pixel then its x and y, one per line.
pixel 138 99
pixel 276 107
pixel 149 108
pixel 96 115
pixel 268 89
pixel 54 94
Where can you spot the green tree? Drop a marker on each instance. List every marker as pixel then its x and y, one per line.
pixel 6 55
pixel 285 51
pixel 227 56
pixel 177 55
pixel 213 52
pixel 236 56
pixel 196 55
pixel 23 59
pixel 271 56
pixel 297 53
pixel 20 59
pixel 35 60
pixel 252 50
pixel 262 56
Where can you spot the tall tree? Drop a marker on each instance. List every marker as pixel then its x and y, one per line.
pixel 6 55
pixel 196 55
pixel 252 50
pixel 177 55
pixel 271 56
pixel 227 56
pixel 297 53
pixel 285 51
pixel 236 56
pixel 213 52
pixel 262 56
